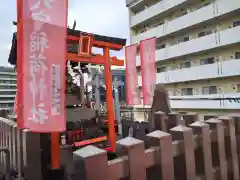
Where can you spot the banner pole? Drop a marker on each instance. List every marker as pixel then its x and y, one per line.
pixel 55 150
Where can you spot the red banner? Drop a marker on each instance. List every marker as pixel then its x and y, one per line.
pixel 148 69
pixel 131 75
pixel 41 65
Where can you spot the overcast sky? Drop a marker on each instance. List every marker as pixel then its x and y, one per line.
pixel 106 17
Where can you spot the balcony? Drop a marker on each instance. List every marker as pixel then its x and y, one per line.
pixel 216 101
pixel 211 101
pixel 157 31
pixel 8 73
pixel 210 12
pixel 6 102
pixel 180 23
pixel 132 2
pixel 128 2
pixel 217 70
pixel 155 10
pixel 8 90
pixel 8 79
pixel 7 84
pixel 215 40
pixel 7 96
pixel 210 71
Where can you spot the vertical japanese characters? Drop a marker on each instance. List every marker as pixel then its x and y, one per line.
pixel 42 65
pixel 37 60
pixel 56 84
pixel 133 97
pixel 148 69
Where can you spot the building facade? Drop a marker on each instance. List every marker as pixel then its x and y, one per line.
pixel 197 50
pixel 8 87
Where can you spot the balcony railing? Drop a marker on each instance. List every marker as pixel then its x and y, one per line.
pixel 6 102
pixel 130 2
pixel 155 10
pixel 8 90
pixel 211 11
pixel 210 71
pixel 211 101
pixel 8 79
pixel 217 70
pixel 216 101
pixel 206 13
pixel 215 40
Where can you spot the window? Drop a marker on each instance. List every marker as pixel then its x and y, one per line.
pixel 158 24
pixel 204 33
pixel 238 88
pixel 160 46
pixel 209 90
pixel 186 91
pixel 184 39
pixel 161 69
pixel 141 31
pixel 185 65
pixel 204 3
pixel 209 60
pixel 236 23
pixel 237 55
pixel 145 26
pixel 182 13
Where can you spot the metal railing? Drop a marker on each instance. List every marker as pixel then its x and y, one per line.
pixel 128 2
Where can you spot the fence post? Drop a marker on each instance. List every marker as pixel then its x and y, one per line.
pixel 229 121
pixel 236 118
pixel 95 162
pixel 202 129
pixel 4 138
pixel 1 140
pixel 160 121
pixel 19 152
pixel 31 155
pixel 182 132
pixel 140 130
pixel 174 119
pixel 11 143
pixel 209 116
pixel 134 148
pixel 190 118
pixel 14 134
pixel 164 141
pixel 7 163
pixel 66 156
pixel 218 126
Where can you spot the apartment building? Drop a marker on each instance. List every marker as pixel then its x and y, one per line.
pixel 8 87
pixel 197 50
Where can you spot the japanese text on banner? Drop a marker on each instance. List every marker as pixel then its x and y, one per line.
pixel 37 60
pixel 148 69
pixel 133 97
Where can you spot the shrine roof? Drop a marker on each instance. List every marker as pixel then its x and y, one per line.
pixel 72 47
pixel 113 40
